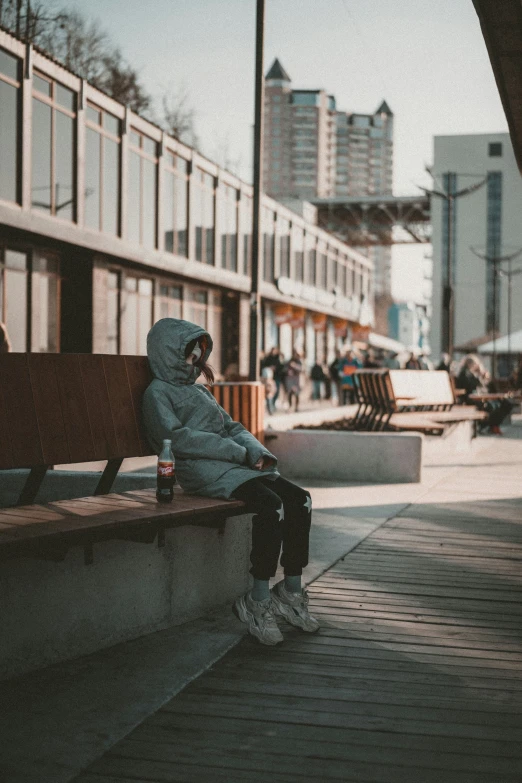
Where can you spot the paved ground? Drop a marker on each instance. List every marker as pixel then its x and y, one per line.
pixel 416 675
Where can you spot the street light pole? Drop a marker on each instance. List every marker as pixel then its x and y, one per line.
pixel 255 299
pixel 449 194
pixel 496 260
pixel 509 274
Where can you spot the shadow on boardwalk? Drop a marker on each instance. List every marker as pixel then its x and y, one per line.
pixel 415 677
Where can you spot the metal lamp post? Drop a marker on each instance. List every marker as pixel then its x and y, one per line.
pixel 255 299
pixel 450 195
pixel 509 274
pixel 495 260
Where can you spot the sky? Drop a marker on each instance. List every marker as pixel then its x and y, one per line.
pixel 427 59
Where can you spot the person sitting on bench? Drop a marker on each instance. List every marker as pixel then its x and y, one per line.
pixel 473 377
pixel 217 457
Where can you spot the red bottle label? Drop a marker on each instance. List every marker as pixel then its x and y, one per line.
pixel 165 469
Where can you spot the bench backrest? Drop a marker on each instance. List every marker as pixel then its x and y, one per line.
pixel 65 408
pixel 419 388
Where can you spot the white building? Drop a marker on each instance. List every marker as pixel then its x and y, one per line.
pixel 488 220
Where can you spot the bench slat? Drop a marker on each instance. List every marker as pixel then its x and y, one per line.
pixel 122 407
pixel 44 383
pixel 26 448
pixel 139 376
pixel 98 407
pixel 74 409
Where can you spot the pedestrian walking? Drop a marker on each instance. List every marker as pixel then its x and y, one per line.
pixel 217 457
pixel 267 379
pixel 348 365
pixel 318 377
pixel 292 379
pixel 274 360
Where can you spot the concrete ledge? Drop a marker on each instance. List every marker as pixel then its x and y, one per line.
pixel 52 612
pixel 384 457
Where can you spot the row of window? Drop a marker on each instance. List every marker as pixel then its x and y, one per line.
pixel 218 226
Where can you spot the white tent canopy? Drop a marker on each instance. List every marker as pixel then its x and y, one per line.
pixel 385 343
pixel 503 345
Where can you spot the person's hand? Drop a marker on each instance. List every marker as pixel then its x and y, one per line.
pixel 264 462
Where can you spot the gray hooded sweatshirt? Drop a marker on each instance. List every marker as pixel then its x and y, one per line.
pixel 213 453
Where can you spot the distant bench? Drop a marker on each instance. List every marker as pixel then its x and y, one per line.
pixel 417 400
pixel 58 409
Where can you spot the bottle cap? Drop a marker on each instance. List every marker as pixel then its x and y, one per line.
pixel 167 440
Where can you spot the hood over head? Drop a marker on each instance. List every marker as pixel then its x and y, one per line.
pixel 166 344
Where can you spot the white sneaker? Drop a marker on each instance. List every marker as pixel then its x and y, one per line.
pixel 259 617
pixel 293 607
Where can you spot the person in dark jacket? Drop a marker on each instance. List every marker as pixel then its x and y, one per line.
pixel 273 360
pixel 318 377
pixel 218 457
pixel 292 379
pixel 445 362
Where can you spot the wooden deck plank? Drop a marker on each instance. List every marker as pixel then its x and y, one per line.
pixel 416 675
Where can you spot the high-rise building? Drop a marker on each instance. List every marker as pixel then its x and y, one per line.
pixel 313 150
pixel 488 221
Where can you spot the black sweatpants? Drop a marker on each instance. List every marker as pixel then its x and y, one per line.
pixel 282 517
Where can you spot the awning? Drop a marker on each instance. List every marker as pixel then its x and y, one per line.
pixel 385 343
pixel 503 344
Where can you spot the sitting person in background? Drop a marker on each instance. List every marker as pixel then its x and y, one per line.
pixel 445 362
pixel 392 362
pixel 474 378
pixel 412 363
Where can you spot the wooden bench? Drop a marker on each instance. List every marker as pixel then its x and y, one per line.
pixel 417 400
pixel 58 409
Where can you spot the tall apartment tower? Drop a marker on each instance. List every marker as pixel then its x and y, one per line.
pixel 312 150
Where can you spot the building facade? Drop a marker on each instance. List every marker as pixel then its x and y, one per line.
pixel 107 224
pixel 487 221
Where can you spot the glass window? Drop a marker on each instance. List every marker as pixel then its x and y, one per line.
pixel 42 85
pixel 268 245
pixel 284 247
pixel 9 65
pixel 298 249
pixel 143 168
pixel 54 149
pixel 170 301
pixel 229 227
pixel 45 297
pixel 10 96
pixel 495 150
pixel 41 157
pixel 203 207
pixel 102 172
pixel 196 307
pixel 136 315
pixel 113 312
pixel 13 297
pixel 305 98
pixel 175 205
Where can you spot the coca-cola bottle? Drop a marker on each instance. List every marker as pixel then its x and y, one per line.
pixel 166 473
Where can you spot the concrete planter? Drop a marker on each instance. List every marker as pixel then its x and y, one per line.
pixel 385 458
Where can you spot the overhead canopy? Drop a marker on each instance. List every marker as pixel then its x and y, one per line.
pixel 504 344
pixel 385 343
pixel 501 22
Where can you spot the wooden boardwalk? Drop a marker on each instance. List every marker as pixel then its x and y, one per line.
pixel 416 676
